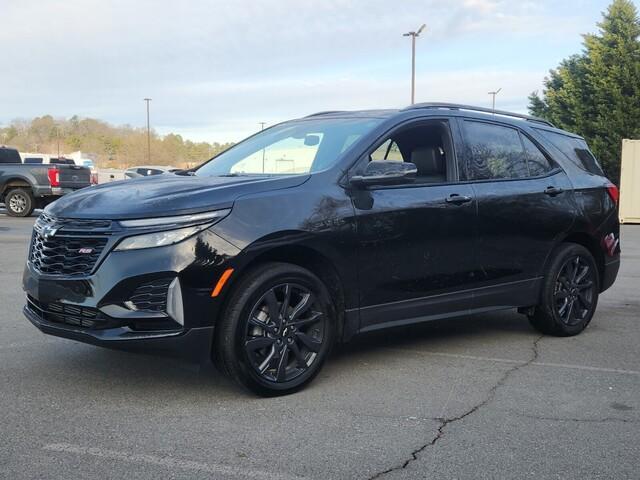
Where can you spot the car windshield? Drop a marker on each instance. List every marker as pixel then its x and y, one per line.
pixel 291 148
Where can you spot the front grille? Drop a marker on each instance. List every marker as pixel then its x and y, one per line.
pixel 70 247
pixel 151 296
pixel 75 315
pixel 74 223
pixel 64 255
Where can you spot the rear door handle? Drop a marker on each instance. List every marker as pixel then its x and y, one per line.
pixel 458 199
pixel 553 191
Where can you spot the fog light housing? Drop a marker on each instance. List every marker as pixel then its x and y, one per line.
pixel 155 304
pixel 174 301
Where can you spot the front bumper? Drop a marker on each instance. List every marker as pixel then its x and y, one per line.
pixel 57 304
pixel 193 344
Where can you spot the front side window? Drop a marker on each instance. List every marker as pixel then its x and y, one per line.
pixel 427 145
pixel 292 148
pixel 493 152
pixel 388 151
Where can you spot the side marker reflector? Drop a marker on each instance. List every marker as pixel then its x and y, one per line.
pixel 221 282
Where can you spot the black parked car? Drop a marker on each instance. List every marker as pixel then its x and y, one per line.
pixel 320 228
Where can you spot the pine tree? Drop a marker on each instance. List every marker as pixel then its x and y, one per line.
pixel 597 93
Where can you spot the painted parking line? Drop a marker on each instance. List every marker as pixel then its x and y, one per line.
pixel 516 362
pixel 168 462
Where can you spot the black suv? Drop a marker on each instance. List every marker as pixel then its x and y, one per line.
pixel 328 226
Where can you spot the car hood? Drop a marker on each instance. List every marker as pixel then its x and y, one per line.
pixel 164 195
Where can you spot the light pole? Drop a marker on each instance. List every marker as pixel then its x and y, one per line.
pixel 413 36
pixel 147 100
pixel 494 94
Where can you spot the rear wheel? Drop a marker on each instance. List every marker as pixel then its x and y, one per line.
pixel 569 294
pixel 19 202
pixel 277 330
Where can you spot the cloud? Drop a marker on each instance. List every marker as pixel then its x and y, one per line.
pixel 221 67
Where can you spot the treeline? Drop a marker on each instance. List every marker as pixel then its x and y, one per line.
pixel 596 93
pixel 110 146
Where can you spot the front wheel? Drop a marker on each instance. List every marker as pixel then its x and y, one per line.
pixel 569 293
pixel 19 202
pixel 277 329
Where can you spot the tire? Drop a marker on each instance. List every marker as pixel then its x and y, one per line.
pixel 264 351
pixel 569 293
pixel 19 202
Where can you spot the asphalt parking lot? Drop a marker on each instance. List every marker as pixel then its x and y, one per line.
pixel 479 397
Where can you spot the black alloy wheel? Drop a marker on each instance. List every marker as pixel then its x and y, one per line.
pixel 277 329
pixel 284 332
pixel 575 290
pixel 569 292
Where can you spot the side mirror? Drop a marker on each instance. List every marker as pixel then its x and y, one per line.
pixel 384 172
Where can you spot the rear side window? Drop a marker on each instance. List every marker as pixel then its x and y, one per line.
pixel 537 162
pixel 575 149
pixel 493 152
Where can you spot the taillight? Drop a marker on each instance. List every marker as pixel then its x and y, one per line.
pixel 54 176
pixel 614 193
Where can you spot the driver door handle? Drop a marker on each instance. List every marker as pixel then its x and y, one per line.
pixel 458 199
pixel 553 191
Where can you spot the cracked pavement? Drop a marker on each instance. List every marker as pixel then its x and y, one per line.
pixel 477 397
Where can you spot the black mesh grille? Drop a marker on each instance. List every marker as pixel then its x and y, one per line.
pixel 151 296
pixel 75 315
pixel 65 255
pixel 71 247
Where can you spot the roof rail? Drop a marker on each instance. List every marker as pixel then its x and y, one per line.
pixel 455 106
pixel 327 112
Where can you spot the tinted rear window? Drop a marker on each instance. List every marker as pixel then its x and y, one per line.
pixel 575 149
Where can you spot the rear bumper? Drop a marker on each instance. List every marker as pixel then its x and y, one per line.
pixel 609 273
pixel 193 344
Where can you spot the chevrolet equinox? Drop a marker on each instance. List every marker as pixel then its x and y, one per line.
pixel 321 228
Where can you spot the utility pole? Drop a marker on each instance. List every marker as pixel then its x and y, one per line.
pixel 494 94
pixel 413 36
pixel 147 100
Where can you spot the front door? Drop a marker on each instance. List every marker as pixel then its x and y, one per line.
pixel 416 253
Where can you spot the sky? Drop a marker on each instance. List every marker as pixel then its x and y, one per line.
pixel 216 68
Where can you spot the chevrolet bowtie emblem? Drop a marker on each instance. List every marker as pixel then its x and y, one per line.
pixel 49 231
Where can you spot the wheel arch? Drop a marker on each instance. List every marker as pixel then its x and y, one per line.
pixel 310 259
pixel 591 244
pixel 14 182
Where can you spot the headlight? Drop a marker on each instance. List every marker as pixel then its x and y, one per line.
pixel 158 239
pixel 167 237
pixel 177 220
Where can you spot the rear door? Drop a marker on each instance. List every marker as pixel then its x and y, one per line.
pixel 525 206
